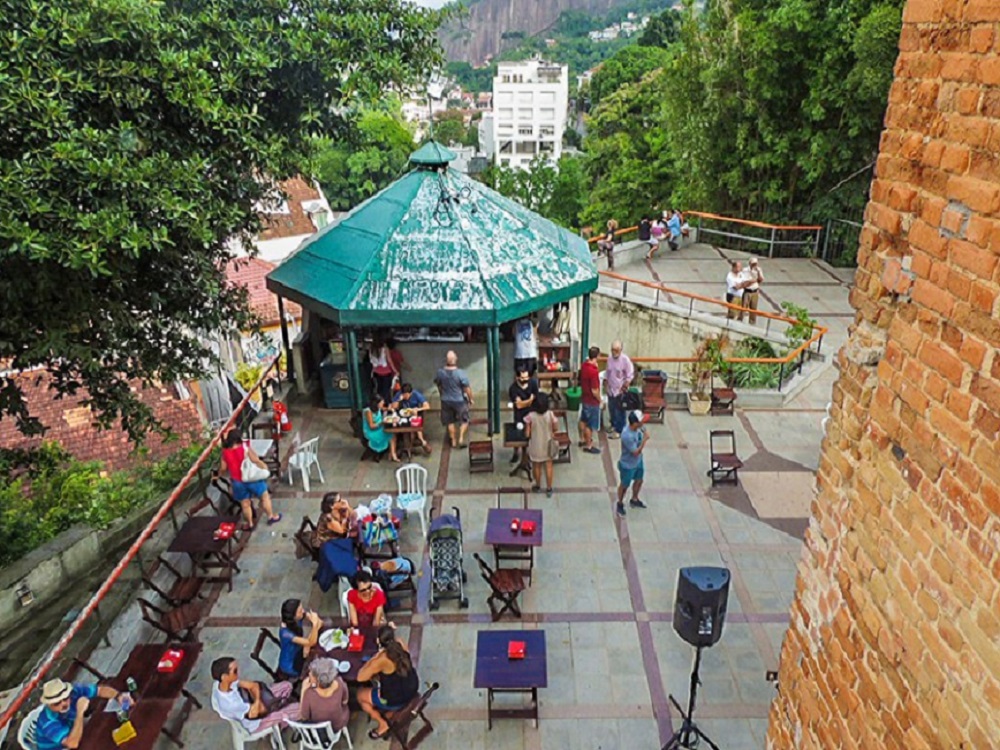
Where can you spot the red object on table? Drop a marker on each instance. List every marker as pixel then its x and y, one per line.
pixel 515 650
pixel 515 524
pixel 225 530
pixel 528 527
pixel 356 642
pixel 170 660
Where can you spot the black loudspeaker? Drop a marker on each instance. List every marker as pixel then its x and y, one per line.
pixel 700 606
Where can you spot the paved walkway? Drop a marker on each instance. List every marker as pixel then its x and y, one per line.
pixel 604 587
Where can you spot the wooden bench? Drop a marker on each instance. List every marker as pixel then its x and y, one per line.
pixel 725 465
pixel 401 721
pixel 480 455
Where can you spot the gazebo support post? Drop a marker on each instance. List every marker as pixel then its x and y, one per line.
pixel 289 360
pixel 491 364
pixel 354 369
pixel 585 328
pixel 495 414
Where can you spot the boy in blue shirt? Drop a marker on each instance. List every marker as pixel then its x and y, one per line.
pixel 630 465
pixel 410 398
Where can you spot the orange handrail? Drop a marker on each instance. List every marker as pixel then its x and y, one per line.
pixel 56 651
pixel 818 330
pixel 618 233
pixel 750 223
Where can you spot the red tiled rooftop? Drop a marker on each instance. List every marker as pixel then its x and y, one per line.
pixel 251 273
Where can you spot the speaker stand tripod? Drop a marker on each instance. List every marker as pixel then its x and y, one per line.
pixel 689 735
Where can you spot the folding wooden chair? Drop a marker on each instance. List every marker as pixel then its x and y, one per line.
pixel 263 637
pixel 506 585
pixel 514 493
pixel 654 386
pixel 181 590
pixel 725 464
pixel 304 539
pixel 400 721
pixel 723 399
pixel 177 623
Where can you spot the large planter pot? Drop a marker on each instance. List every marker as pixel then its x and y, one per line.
pixel 699 406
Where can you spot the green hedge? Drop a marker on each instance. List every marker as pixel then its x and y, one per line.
pixel 45 491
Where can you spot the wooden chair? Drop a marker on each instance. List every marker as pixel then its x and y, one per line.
pixel 181 590
pixel 401 720
pixel 654 386
pixel 723 399
pixel 480 456
pixel 725 464
pixel 177 623
pixel 565 443
pixel 304 538
pixel 506 585
pixel 263 637
pixel 516 493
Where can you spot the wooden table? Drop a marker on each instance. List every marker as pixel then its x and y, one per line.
pixel 356 659
pixel 499 674
pixel 195 538
pixel 156 696
pixel 508 545
pixel 407 431
pixel 514 437
pixel 553 378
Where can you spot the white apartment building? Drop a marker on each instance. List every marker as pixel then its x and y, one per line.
pixel 530 99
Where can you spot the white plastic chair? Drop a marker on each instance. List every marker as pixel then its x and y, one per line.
pixel 26 732
pixel 304 459
pixel 241 736
pixel 411 481
pixel 319 736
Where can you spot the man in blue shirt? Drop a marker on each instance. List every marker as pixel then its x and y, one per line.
pixel 674 227
pixel 630 465
pixel 410 398
pixel 60 724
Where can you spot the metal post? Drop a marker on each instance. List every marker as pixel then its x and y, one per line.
pixel 624 289
pixel 585 329
pixel 816 243
pixel 491 365
pixel 781 375
pixel 770 251
pixel 289 364
pixel 355 370
pixel 496 378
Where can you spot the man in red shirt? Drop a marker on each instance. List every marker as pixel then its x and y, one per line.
pixel 590 413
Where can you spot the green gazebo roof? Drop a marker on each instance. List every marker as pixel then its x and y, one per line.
pixel 435 248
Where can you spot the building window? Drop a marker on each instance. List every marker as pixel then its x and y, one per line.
pixel 506 147
pixel 547 114
pixel 525 130
pixel 547 131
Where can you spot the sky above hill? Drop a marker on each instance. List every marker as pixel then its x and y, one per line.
pixel 430 3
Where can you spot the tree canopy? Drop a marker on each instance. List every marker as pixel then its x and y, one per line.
pixel 138 140
pixel 769 110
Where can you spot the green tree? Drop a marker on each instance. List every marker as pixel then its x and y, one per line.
pixel 374 152
pixel 139 139
pixel 662 30
pixel 556 192
pixel 449 127
pixel 628 65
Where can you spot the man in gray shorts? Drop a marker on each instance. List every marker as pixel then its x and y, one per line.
pixel 456 398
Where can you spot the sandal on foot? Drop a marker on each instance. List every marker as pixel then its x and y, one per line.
pixel 536 488
pixel 374 735
pixel 273 520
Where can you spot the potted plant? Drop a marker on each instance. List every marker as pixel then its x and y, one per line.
pixel 708 358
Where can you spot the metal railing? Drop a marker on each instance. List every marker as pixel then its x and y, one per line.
pixel 91 609
pixel 791 361
pixel 749 236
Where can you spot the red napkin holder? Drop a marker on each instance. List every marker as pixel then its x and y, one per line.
pixel 416 421
pixel 527 527
pixel 355 642
pixel 170 660
pixel 515 650
pixel 225 530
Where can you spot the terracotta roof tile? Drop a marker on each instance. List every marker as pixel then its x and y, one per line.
pixel 251 273
pixel 296 222
pixel 71 424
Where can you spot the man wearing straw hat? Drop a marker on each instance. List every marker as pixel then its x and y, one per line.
pixel 60 724
pixel 754 278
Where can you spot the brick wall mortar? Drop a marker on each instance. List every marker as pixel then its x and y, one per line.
pixel 894 637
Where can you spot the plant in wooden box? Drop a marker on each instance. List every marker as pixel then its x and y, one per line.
pixel 708 359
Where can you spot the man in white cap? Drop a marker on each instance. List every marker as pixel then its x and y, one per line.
pixel 754 277
pixel 60 724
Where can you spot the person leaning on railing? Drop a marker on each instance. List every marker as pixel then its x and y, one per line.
pixel 607 243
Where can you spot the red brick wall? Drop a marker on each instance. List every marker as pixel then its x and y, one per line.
pixel 895 627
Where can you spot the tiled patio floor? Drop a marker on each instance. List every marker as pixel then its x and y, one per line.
pixel 603 590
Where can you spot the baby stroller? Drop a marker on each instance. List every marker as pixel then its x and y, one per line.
pixel 447 572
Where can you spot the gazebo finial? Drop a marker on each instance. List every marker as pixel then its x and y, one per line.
pixel 432 155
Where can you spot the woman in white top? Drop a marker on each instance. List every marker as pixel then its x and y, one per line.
pixel 735 283
pixel 383 369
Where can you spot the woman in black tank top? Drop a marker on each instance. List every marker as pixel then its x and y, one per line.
pixel 397 680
